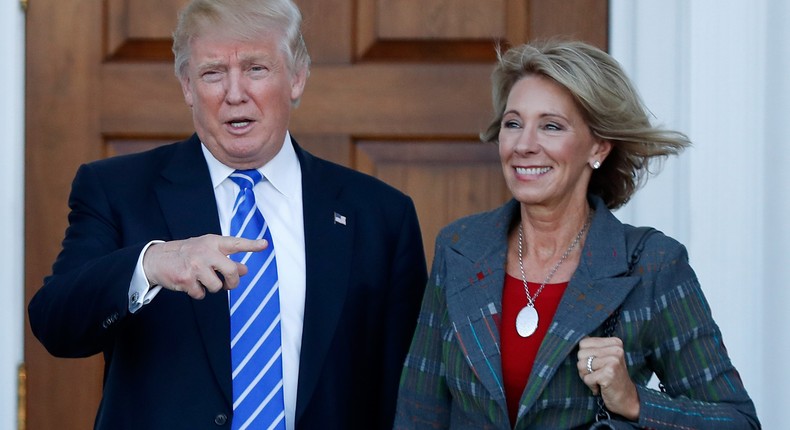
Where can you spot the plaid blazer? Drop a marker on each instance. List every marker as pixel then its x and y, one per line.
pixel 452 376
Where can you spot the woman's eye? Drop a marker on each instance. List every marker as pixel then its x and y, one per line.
pixel 510 124
pixel 552 126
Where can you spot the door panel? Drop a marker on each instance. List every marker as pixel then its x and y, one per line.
pixel 398 90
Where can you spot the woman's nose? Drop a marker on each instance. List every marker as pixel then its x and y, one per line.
pixel 527 141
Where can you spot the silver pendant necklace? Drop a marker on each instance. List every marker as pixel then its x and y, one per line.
pixel 527 318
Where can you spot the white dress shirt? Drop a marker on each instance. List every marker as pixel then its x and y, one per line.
pixel 279 198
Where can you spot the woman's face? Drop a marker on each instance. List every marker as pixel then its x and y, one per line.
pixel 545 146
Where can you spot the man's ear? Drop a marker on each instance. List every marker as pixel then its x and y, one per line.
pixel 186 89
pixel 298 82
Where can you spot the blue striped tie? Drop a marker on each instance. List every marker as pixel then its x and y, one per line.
pixel 256 345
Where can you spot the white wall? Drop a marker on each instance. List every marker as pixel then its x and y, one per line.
pixel 12 208
pixel 719 72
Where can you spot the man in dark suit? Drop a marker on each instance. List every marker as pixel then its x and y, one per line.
pixel 144 275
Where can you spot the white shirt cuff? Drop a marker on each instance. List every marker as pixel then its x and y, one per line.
pixel 141 292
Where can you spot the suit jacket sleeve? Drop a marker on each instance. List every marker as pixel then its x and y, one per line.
pixel 85 297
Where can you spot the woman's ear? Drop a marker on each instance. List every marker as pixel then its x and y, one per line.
pixel 601 150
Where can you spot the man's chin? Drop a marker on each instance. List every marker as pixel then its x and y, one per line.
pixel 246 153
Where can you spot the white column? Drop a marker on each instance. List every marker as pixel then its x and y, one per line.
pixel 774 408
pixel 649 39
pixel 728 177
pixel 12 209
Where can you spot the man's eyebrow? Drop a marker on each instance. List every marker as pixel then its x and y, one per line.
pixel 255 58
pixel 209 65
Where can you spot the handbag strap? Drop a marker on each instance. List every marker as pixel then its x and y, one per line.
pixel 635 240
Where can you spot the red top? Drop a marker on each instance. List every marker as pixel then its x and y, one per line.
pixel 518 353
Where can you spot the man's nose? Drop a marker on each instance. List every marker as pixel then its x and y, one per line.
pixel 236 91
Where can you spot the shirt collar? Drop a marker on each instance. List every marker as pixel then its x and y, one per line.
pixel 282 171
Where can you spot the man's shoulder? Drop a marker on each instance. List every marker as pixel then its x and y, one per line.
pixel 147 155
pixel 327 173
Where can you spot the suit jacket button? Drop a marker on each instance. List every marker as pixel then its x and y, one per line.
pixel 221 419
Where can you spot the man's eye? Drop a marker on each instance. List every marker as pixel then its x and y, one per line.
pixel 210 76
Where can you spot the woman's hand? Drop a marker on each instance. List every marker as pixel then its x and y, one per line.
pixel 602 367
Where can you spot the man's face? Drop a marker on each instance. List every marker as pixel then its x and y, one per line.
pixel 241 94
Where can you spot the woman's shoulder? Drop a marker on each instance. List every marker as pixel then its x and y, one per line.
pixel 648 238
pixel 481 224
pixel 653 253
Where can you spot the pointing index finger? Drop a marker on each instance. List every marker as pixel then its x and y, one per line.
pixel 232 245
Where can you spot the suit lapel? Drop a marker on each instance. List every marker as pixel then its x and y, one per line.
pixel 329 227
pixel 186 196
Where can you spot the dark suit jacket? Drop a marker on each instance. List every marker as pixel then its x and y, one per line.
pixel 168 365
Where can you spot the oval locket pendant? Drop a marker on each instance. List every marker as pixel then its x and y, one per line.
pixel 527 321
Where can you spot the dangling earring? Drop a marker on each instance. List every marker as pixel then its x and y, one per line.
pixel 596 164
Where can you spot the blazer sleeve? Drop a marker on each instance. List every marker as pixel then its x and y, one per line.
pixel 703 388
pixel 424 399
pixel 85 298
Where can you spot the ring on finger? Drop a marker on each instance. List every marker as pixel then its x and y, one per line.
pixel 589 363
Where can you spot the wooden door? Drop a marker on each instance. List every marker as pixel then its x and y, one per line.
pixel 399 89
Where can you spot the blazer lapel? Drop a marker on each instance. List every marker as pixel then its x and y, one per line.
pixel 595 291
pixel 329 228
pixel 474 298
pixel 476 274
pixel 186 196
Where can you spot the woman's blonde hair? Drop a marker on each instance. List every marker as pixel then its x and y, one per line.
pixel 608 101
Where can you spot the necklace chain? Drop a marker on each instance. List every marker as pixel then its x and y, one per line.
pixel 531 299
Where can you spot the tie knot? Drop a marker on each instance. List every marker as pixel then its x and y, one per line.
pixel 246 178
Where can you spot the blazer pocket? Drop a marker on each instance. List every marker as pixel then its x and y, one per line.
pixel 473 357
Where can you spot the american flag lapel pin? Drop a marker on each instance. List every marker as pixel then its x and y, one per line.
pixel 340 219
